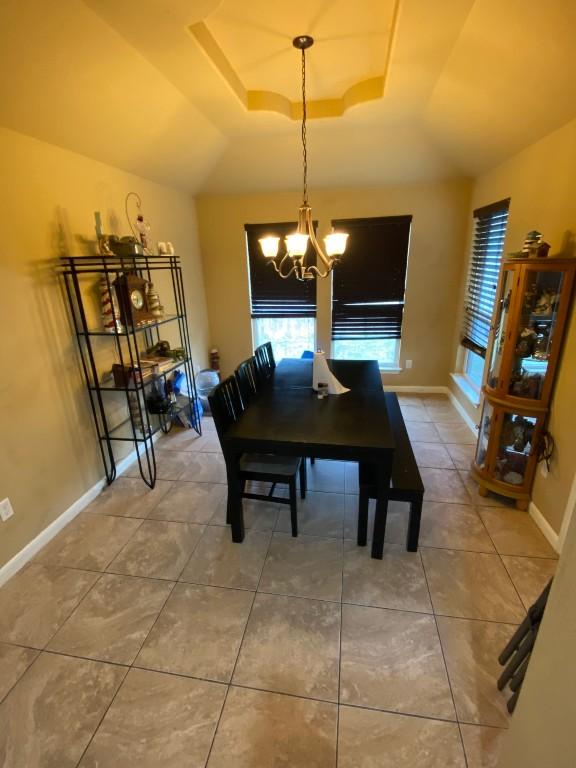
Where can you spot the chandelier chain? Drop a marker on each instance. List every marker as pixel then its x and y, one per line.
pixel 304 153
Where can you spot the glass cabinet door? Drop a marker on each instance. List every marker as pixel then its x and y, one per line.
pixel 536 325
pixel 514 448
pixel 500 327
pixel 483 435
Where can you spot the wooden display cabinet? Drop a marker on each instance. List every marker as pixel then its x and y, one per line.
pixel 532 308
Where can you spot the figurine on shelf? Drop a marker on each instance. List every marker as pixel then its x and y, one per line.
pixel 143 228
pixel 109 308
pixel 546 303
pixel 525 343
pixel 154 304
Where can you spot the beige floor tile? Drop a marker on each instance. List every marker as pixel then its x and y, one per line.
pixel 456 433
pixel 482 745
pixel 443 485
pixel 530 575
pixel 515 533
pixel 471 585
pixel 351 478
pixel 319 514
pixel 471 650
pixel 396 520
pixel 219 562
pixel 50 716
pixel 291 645
pixel 157 720
pixel 37 601
pixel 392 660
pixel 258 515
pixel 208 424
pixel 368 739
pixel 422 432
pixel 268 730
pixel 178 439
pixel 396 581
pixel 129 497
pixel 410 398
pixel 169 465
pixel 158 550
pixel 188 502
pixel 307 566
pixel 89 541
pixel 206 443
pixel 453 526
pixel 461 454
pixel 326 476
pixel 113 620
pixel 432 455
pixel 441 411
pixel 415 413
pixel 14 661
pixel 491 500
pixel 204 468
pixel 198 632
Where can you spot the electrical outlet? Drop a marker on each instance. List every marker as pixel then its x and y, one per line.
pixel 408 364
pixel 6 510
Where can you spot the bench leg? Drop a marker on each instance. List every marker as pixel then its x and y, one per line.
pixel 414 525
pixel 362 517
pixel 303 480
pixel 293 506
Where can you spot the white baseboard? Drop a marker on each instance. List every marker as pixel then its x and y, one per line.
pixel 462 411
pixel 27 553
pixel 547 530
pixel 415 389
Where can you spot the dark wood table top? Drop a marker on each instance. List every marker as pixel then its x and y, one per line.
pixel 353 374
pixel 291 420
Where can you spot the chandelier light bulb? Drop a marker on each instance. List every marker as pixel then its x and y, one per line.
pixel 335 243
pixel 269 245
pixel 296 244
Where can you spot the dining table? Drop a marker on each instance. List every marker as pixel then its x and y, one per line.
pixel 287 418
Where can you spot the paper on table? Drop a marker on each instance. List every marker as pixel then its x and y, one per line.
pixel 321 374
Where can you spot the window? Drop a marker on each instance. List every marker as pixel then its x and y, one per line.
pixel 489 234
pixel 283 311
pixel 368 289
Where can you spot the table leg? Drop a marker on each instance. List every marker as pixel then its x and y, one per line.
pixel 234 512
pixel 383 471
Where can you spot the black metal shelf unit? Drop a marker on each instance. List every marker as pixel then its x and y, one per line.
pixel 130 343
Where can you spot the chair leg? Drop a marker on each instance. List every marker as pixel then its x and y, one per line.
pixel 362 517
pixel 242 490
pixel 303 481
pixel 414 525
pixel 293 506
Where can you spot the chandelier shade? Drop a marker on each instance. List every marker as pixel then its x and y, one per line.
pixel 293 262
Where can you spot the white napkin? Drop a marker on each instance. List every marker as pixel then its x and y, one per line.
pixel 321 374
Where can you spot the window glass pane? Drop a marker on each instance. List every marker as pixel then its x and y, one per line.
pixel 290 336
pixel 474 368
pixel 386 351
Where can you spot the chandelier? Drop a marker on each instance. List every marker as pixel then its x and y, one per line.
pixel 293 261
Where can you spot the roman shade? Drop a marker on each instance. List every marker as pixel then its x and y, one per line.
pixel 369 281
pixel 489 233
pixel 270 295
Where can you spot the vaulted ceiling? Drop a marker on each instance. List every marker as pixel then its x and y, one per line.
pixel 205 95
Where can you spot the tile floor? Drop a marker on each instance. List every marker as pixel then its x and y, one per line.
pixel 141 636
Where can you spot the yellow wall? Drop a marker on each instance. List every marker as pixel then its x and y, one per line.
pixel 540 182
pixel 434 266
pixel 48 454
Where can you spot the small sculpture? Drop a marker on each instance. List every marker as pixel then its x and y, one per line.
pixel 154 304
pixel 109 308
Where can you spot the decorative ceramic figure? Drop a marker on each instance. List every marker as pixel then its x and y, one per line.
pixel 109 308
pixel 154 304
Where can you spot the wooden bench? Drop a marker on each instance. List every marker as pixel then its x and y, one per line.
pixel 406 484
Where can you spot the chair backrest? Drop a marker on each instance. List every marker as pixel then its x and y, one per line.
pixel 226 405
pixel 265 360
pixel 248 380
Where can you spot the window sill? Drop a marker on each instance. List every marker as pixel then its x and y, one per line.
pixel 390 370
pixel 472 394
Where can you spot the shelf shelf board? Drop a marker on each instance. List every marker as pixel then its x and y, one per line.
pixel 138 329
pixel 123 432
pixel 141 385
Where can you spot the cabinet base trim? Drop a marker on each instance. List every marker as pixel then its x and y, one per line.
pixel 26 554
pixel 548 532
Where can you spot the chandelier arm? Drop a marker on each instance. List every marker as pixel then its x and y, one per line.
pixel 278 268
pixel 318 248
pixel 313 268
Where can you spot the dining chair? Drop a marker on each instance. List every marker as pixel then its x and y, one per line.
pixel 227 407
pixel 248 379
pixel 265 361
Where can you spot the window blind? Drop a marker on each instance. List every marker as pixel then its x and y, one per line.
pixel 489 233
pixel 369 280
pixel 270 295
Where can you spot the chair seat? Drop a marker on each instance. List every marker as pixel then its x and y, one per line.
pixel 268 464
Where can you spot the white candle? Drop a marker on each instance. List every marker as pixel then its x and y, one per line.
pixel 98 220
